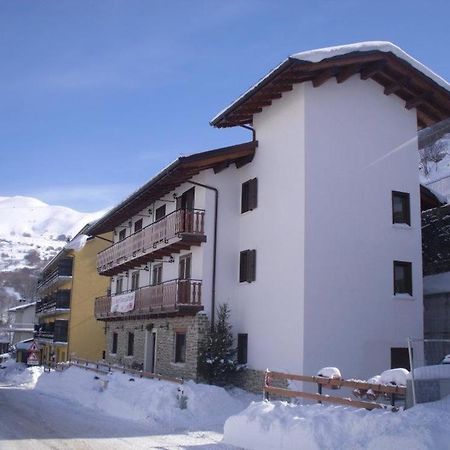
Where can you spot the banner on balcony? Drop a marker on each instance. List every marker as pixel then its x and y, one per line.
pixel 122 303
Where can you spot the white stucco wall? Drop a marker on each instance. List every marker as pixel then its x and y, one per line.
pixel 360 147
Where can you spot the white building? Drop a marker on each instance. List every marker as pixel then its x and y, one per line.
pixel 21 321
pixel 311 233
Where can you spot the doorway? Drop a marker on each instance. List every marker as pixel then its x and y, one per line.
pixel 150 351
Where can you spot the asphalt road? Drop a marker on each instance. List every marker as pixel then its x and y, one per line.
pixel 34 421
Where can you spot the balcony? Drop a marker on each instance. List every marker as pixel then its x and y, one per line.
pixel 54 332
pixel 177 231
pixel 168 298
pixel 54 304
pixel 55 278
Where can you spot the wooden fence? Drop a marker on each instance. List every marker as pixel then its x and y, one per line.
pixel 361 389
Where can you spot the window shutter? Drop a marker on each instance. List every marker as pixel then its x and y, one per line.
pixel 243 267
pixel 251 266
pixel 253 194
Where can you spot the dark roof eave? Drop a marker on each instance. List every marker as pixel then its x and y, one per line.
pixel 108 222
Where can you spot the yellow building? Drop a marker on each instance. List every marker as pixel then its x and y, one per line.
pixel 65 313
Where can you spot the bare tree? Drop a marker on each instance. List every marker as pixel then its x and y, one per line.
pixel 432 153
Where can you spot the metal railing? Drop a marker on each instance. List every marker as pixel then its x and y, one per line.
pixel 163 297
pixel 189 221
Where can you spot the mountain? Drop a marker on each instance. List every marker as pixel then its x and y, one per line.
pixel 32 231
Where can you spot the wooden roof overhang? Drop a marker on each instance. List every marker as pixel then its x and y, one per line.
pixel 396 75
pixel 428 199
pixel 171 177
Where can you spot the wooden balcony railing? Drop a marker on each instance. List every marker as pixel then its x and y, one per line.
pixel 168 297
pixel 54 303
pixel 178 224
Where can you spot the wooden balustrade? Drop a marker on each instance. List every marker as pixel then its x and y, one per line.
pixel 176 225
pixel 167 297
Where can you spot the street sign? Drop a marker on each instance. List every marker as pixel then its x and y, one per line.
pixel 33 355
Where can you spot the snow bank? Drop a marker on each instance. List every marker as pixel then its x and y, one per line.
pixel 394 376
pixel 19 374
pixel 145 400
pixel 280 425
pixel 436 372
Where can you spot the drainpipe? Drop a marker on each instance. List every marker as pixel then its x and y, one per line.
pixel 216 208
pixel 248 127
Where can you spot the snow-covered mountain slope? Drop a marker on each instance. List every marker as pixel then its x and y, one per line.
pixel 31 230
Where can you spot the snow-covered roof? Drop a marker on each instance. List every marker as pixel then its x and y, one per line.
pixel 24 306
pixel 394 64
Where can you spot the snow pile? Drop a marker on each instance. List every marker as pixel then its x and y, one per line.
pixel 18 374
pixel 329 372
pixel 157 402
pixel 394 376
pixel 280 425
pixel 77 243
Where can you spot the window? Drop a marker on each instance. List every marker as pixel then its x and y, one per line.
pixel 400 208
pixel 138 225
pixel 135 281
pixel 180 347
pixel 114 343
pixel 249 197
pixel 247 266
pixel 242 348
pixel 402 277
pixel 130 347
pixel 122 234
pixel 157 274
pixel 184 267
pixel 119 285
pixel 160 212
pixel 400 358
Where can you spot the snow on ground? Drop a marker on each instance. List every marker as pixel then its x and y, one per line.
pixel 153 401
pixel 280 425
pixel 18 374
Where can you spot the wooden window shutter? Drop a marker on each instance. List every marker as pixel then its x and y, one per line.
pixel 247 266
pixel 253 194
pixel 251 266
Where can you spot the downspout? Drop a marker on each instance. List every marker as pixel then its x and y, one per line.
pixel 248 127
pixel 216 208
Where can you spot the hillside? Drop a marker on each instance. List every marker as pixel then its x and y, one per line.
pixel 31 233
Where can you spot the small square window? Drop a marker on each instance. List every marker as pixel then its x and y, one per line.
pixel 122 234
pixel 160 212
pixel 401 208
pixel 138 225
pixel 402 277
pixel 180 347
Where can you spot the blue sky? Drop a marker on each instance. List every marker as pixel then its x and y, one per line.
pixel 96 96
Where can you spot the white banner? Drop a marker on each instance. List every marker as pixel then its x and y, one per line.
pixel 123 302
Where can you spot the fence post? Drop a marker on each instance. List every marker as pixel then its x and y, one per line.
pixel 411 366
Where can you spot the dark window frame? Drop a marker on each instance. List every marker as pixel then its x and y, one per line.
pixel 122 234
pixel 135 280
pixel 180 347
pixel 160 212
pixel 247 266
pixel 138 225
pixel 403 217
pixel 185 267
pixel 119 285
pixel 115 339
pixel 130 344
pixel 242 348
pixel 249 195
pixel 408 287
pixel 157 274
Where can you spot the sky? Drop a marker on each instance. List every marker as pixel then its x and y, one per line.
pixel 98 96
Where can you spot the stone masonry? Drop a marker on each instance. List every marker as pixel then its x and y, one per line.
pixel 196 328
